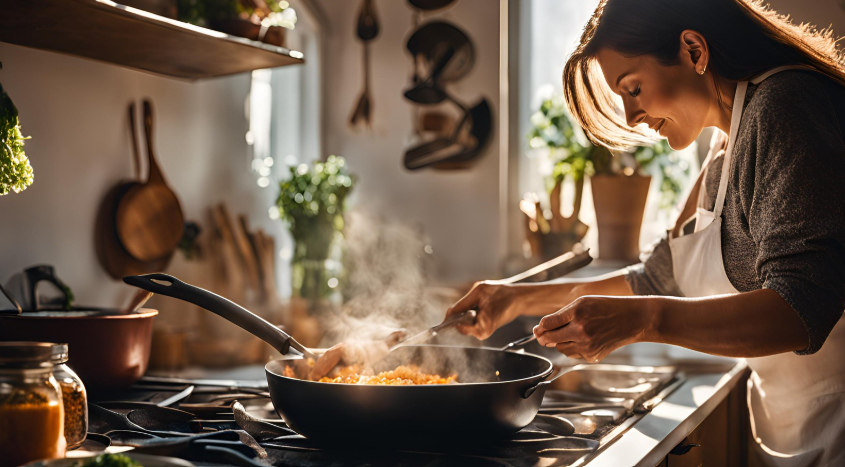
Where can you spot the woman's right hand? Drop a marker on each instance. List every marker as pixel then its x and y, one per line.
pixel 496 305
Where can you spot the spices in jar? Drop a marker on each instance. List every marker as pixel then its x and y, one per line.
pixel 75 403
pixel 31 408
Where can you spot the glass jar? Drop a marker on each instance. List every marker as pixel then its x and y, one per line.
pixel 74 397
pixel 31 409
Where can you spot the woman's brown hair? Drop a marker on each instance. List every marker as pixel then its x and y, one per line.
pixel 744 37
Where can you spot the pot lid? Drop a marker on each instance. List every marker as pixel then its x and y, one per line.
pixel 32 354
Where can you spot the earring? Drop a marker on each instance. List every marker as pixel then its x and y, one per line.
pixel 703 70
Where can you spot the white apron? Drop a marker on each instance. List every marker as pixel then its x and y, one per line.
pixel 797 403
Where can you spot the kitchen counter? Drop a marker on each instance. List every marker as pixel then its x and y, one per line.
pixel 708 383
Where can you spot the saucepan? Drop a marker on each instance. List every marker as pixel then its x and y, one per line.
pixel 499 392
pixel 108 348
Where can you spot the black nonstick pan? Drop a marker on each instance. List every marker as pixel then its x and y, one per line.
pixel 499 391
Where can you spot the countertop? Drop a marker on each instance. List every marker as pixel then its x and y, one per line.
pixel 708 381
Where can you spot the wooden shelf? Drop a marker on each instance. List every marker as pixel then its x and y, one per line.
pixel 125 36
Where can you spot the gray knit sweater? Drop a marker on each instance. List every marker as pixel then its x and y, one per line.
pixel 784 217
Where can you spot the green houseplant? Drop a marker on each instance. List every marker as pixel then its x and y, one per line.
pixel 312 203
pixel 619 182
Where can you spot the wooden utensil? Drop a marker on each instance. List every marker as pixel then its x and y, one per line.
pixel 367 30
pixel 245 250
pixel 149 217
pixel 114 259
pixel 137 301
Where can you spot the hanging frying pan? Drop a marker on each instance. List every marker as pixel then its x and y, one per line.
pixel 436 39
pixel 470 137
pixel 429 5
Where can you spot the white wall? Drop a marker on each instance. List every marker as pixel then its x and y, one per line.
pixel 458 210
pixel 76 112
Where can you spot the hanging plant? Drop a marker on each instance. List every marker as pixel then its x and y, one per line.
pixel 15 172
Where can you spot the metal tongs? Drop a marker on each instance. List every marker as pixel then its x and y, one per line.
pixel 551 269
pixel 467 317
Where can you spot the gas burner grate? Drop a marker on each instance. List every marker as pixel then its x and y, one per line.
pixel 195 420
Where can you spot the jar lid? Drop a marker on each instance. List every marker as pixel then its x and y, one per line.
pixel 31 354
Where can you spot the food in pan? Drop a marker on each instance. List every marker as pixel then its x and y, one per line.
pixel 403 375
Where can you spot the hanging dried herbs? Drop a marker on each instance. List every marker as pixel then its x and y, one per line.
pixel 15 171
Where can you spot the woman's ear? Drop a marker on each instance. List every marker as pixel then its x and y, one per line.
pixel 694 51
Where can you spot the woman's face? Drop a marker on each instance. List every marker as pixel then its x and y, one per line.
pixel 675 100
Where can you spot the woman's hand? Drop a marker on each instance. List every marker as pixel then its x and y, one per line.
pixel 496 306
pixel 591 327
pixel 499 304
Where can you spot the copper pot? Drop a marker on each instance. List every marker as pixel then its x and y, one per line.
pixel 107 349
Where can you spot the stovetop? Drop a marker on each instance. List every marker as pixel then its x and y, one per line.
pixel 218 423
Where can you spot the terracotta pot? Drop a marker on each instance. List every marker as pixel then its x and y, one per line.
pixel 275 35
pixel 620 203
pixel 106 350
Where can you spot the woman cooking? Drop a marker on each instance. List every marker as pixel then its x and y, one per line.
pixel 755 266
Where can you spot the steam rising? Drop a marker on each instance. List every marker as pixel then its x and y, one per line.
pixel 387 288
pixel 386 277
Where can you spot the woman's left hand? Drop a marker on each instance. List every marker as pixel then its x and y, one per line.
pixel 592 327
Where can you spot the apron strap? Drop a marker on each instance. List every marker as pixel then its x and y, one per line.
pixel 736 116
pixel 762 77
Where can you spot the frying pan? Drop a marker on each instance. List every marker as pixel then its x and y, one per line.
pixel 436 39
pixel 500 391
pixel 478 119
pixel 430 4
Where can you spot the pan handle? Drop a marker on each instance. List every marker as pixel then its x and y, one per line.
pixel 163 284
pixel 541 384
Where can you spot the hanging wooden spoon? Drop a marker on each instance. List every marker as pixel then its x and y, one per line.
pixel 367 30
pixel 149 217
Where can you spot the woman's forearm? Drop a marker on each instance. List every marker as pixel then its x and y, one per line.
pixel 751 324
pixel 543 298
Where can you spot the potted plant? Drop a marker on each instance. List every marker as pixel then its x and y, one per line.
pixel 312 203
pixel 620 182
pixel 253 19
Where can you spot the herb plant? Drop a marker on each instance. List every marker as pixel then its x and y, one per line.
pixel 207 12
pixel 312 202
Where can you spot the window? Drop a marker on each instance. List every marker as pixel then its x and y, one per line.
pixel 549 30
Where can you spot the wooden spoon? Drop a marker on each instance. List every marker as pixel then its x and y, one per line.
pixel 149 217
